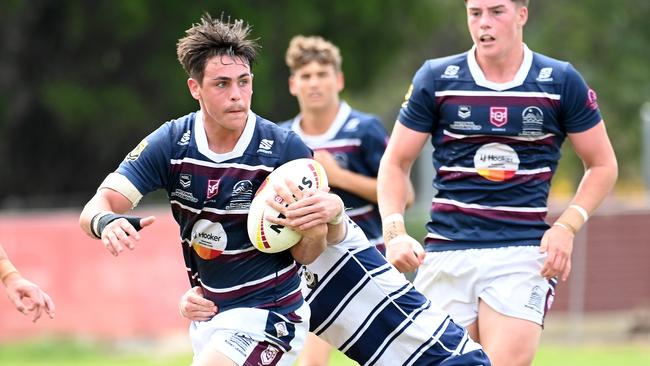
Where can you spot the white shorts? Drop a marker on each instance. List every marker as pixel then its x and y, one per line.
pixel 253 336
pixel 508 279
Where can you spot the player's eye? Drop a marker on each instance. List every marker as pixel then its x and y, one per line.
pixel 243 82
pixel 222 84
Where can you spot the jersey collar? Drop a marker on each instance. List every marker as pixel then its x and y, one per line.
pixel 315 140
pixel 479 77
pixel 240 147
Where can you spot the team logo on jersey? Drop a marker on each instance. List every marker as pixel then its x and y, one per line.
pixel 532 119
pixel 268 355
pixel 407 96
pixel 464 111
pixel 499 116
pixel 185 180
pixel 185 139
pixel 536 300
pixel 240 342
pixel 265 146
pixel 451 72
pixel 496 162
pixel 209 239
pixel 352 125
pixel 135 153
pixel 213 188
pixel 592 99
pixel 545 74
pixel 311 279
pixel 281 329
pixel 242 195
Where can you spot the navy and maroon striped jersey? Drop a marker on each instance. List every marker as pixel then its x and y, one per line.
pixel 496 146
pixel 210 195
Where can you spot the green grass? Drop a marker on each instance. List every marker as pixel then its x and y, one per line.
pixel 74 353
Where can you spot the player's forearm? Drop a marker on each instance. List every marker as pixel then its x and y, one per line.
pixel 596 183
pixel 358 184
pixel 308 249
pixel 393 188
pixel 6 267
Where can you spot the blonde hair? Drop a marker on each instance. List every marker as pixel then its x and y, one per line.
pixel 303 50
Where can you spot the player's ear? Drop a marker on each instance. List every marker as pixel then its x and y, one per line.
pixel 292 85
pixel 195 88
pixel 522 15
pixel 340 81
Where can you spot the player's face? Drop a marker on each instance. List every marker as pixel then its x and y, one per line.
pixel 225 92
pixel 496 26
pixel 316 86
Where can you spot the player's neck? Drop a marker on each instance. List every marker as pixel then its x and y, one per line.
pixel 502 68
pixel 221 140
pixel 317 122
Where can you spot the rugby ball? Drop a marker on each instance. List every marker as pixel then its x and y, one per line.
pixel 265 235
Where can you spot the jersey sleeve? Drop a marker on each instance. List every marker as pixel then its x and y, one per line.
pixel 295 148
pixel 579 106
pixel 418 110
pixel 373 144
pixel 147 166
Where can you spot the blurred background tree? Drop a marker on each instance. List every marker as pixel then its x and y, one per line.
pixel 81 82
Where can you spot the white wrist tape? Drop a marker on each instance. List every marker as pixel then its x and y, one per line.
pixel 581 211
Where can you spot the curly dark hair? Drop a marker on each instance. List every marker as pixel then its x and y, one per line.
pixel 215 37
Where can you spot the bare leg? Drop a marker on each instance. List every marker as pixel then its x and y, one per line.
pixel 315 353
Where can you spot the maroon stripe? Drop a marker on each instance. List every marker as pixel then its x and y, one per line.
pixel 219 297
pixel 498 100
pixel 488 214
pixel 265 354
pixel 550 140
pixel 191 168
pixel 289 300
pixel 346 149
pixel 447 176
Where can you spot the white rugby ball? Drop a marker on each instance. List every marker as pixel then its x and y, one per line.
pixel 265 235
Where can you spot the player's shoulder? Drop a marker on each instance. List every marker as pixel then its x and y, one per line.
pixel 287 124
pixel 268 132
pixel 546 68
pixel 178 129
pixel 364 118
pixel 447 66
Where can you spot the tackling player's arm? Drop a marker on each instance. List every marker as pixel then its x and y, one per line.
pixel 601 170
pixel 394 189
pixel 102 218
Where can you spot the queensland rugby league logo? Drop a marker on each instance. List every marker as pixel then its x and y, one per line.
pixel 213 188
pixel 499 116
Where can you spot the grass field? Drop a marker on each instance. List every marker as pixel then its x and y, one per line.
pixel 58 353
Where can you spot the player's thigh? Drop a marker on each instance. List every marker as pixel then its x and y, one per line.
pixel 211 357
pixel 507 340
pixel 315 353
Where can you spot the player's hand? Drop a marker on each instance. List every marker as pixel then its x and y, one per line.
pixel 557 242
pixel 120 233
pixel 194 306
pixel 308 208
pixel 332 167
pixel 405 253
pixel 28 297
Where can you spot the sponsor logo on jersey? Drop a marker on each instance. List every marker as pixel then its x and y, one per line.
pixel 592 99
pixel 135 153
pixel 532 119
pixel 465 126
pixel 281 329
pixel 209 239
pixel 242 195
pixel 499 116
pixel 351 125
pixel 451 72
pixel 265 146
pixel 184 195
pixel 185 139
pixel 213 188
pixel 496 162
pixel 268 355
pixel 536 300
pixel 185 180
pixel 464 111
pixel 545 74
pixel 342 160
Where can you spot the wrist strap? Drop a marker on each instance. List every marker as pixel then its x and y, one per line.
pixel 581 211
pixel 6 268
pixel 565 226
pixel 393 217
pixel 107 218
